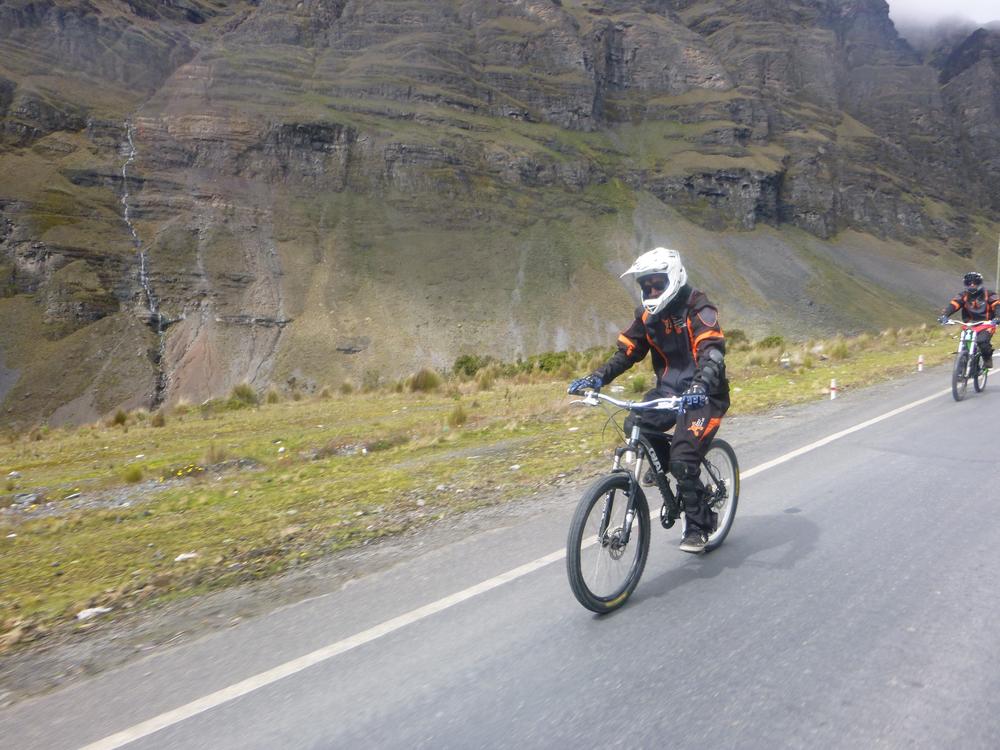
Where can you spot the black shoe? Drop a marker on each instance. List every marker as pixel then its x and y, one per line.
pixel 694 541
pixel 649 478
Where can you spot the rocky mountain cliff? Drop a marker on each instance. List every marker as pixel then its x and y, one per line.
pixel 297 192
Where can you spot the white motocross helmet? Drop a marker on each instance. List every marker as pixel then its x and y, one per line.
pixel 662 260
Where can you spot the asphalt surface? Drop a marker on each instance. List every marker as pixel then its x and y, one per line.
pixel 853 605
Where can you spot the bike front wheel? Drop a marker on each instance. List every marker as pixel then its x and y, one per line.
pixel 980 374
pixel 603 567
pixel 959 376
pixel 720 473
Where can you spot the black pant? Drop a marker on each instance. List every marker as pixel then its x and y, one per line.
pixel 691 439
pixel 985 344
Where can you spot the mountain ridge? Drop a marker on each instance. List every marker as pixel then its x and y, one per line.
pixel 296 193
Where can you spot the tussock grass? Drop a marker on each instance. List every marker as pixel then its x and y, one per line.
pixel 343 469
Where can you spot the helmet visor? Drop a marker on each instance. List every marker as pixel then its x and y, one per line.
pixel 653 286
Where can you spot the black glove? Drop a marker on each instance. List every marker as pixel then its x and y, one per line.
pixel 579 385
pixel 943 319
pixel 695 396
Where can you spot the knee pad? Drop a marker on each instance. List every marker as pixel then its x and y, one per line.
pixel 683 471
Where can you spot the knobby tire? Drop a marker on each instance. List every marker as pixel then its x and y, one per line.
pixel 980 374
pixel 959 380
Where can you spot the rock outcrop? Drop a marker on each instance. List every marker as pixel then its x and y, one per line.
pixel 307 190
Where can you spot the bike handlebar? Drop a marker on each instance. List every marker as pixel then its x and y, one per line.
pixel 668 403
pixel 969 323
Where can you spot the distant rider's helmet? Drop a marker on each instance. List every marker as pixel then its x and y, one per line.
pixel 973 283
pixel 660 274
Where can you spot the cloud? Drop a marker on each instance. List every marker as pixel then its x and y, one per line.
pixel 933 11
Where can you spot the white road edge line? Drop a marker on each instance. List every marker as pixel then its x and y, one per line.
pixel 257 681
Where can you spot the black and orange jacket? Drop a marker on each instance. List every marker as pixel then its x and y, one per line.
pixel 679 338
pixel 983 307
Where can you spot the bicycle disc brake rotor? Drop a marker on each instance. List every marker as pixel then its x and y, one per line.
pixel 613 544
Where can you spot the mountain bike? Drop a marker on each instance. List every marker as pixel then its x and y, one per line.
pixel 609 535
pixel 968 358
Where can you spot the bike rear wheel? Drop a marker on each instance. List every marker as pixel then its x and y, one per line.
pixel 980 374
pixel 959 377
pixel 720 473
pixel 602 570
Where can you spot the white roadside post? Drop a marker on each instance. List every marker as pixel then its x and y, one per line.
pixel 833 389
pixel 920 363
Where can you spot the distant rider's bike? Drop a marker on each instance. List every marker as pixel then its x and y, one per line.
pixel 968 358
pixel 609 535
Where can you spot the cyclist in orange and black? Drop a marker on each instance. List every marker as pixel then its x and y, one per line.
pixel 976 303
pixel 680 328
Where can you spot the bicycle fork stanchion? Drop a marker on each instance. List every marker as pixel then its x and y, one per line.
pixel 633 485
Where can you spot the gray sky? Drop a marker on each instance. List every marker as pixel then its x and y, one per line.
pixel 980 11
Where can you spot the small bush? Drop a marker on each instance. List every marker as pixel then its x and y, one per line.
pixel 458 416
pixel 119 419
pixel 470 364
pixel 10 485
pixel 158 420
pixel 345 388
pixel 385 443
pixel 425 380
pixel 771 342
pixel 839 350
pixel 485 378
pixel 736 336
pixel 272 396
pixel 325 392
pixel 370 381
pixel 132 474
pixel 243 395
pixel 639 384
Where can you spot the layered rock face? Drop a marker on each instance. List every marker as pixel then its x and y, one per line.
pixel 301 191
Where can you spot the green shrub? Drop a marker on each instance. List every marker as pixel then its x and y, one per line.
pixel 346 389
pixel 839 349
pixel 470 364
pixel 639 384
pixel 132 474
pixel 385 443
pixel 272 396
pixel 158 420
pixel 242 395
pixel 736 336
pixel 370 381
pixel 425 380
pixel 771 342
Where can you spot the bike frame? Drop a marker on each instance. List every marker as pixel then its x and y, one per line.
pixel 967 340
pixel 633 452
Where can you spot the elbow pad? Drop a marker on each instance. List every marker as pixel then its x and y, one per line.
pixel 714 371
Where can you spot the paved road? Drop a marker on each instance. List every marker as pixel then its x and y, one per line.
pixel 854 605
